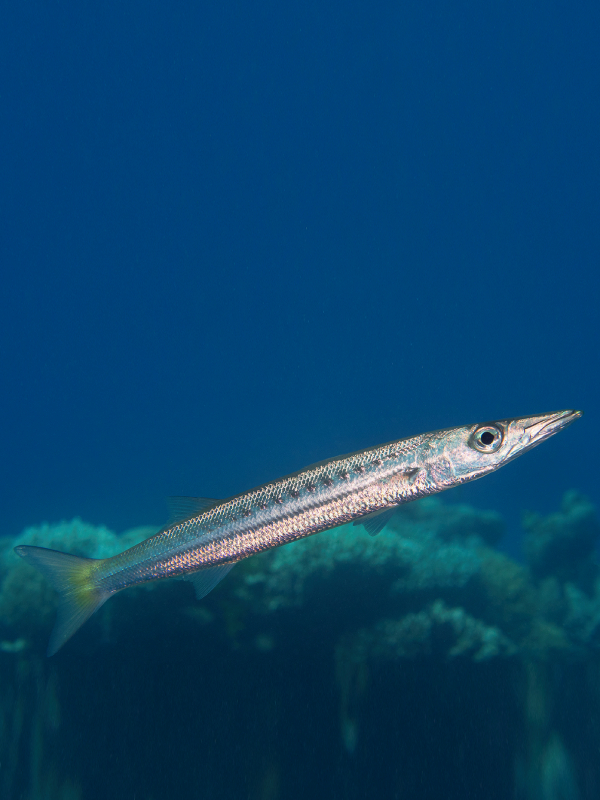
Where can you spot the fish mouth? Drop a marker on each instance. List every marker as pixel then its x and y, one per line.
pixel 546 425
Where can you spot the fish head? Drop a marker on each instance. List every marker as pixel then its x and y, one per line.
pixel 475 450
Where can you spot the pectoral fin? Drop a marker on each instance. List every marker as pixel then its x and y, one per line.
pixel 376 522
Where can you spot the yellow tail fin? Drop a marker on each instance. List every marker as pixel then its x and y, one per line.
pixel 71 576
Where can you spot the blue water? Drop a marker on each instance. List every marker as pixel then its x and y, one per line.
pixel 238 238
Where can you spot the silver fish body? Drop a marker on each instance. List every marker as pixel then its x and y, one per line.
pixel 347 488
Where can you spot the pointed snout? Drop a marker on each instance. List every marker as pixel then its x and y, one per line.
pixel 545 425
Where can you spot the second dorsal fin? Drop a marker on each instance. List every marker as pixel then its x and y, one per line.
pixel 185 507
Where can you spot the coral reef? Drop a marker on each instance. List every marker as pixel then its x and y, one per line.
pixel 436 630
pixel 562 543
pixel 431 576
pixel 426 561
pixel 432 568
pixel 430 590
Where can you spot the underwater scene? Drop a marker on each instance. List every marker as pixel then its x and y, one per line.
pixel 238 238
pixel 418 659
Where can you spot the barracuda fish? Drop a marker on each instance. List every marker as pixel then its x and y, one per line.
pixel 209 536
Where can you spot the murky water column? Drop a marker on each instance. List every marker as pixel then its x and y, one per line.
pixel 545 769
pixel 30 723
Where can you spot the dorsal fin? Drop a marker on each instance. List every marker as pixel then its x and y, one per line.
pixel 185 507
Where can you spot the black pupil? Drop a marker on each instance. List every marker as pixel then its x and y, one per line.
pixel 487 437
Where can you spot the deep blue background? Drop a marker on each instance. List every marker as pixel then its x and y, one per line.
pixel 237 238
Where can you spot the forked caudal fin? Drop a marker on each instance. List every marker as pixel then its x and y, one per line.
pixel 71 576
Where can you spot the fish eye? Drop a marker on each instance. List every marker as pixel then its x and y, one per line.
pixel 487 438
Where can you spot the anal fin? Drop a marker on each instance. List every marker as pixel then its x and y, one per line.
pixel 205 580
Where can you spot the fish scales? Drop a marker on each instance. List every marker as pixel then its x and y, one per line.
pixel 350 488
pixel 329 494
